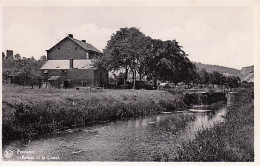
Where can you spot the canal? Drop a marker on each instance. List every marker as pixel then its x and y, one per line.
pixel 141 139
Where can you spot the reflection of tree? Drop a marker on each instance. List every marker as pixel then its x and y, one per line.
pixel 180 121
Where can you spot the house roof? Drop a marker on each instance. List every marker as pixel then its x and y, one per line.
pixel 83 45
pixel 65 64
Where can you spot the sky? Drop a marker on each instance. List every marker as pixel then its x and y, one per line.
pixel 220 35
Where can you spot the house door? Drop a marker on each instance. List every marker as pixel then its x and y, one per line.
pixel 66 84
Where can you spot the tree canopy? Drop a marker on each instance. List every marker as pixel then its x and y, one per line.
pixel 25 69
pixel 131 50
pixel 168 62
pixel 125 50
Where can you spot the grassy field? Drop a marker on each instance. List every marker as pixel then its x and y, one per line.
pixel 232 140
pixel 28 113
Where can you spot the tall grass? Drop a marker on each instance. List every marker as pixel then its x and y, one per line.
pixel 28 113
pixel 232 140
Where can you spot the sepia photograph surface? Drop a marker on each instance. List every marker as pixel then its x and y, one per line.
pixel 129 82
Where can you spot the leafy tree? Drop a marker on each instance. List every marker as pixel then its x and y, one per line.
pixel 196 77
pixel 215 78
pixel 17 57
pixel 158 60
pixel 8 63
pixel 41 61
pixel 43 58
pixel 25 69
pixel 187 70
pixel 168 62
pixel 222 79
pixel 33 79
pixel 6 72
pixel 26 73
pixel 3 56
pixel 124 50
pixel 204 77
pixel 233 81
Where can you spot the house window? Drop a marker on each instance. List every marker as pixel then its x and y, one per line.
pixel 45 71
pixel 84 83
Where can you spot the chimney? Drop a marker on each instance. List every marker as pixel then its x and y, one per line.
pixel 9 54
pixel 70 35
pixel 71 63
pixel 83 41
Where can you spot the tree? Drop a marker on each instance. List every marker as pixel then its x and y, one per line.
pixel 222 79
pixel 215 78
pixel 17 57
pixel 43 58
pixel 168 62
pixel 33 79
pixel 131 50
pixel 8 63
pixel 124 50
pixel 24 70
pixel 6 72
pixel 26 73
pixel 3 56
pixel 41 61
pixel 233 81
pixel 196 78
pixel 204 76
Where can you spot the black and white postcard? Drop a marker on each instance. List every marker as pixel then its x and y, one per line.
pixel 115 81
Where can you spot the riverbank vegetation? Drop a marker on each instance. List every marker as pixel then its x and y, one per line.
pixel 232 140
pixel 28 113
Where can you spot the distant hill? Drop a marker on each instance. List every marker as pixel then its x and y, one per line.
pixel 247 74
pixel 221 69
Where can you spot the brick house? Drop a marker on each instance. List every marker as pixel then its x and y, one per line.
pixel 70 64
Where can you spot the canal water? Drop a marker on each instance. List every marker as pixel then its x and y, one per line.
pixel 141 139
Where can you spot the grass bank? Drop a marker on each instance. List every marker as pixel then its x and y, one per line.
pixel 232 140
pixel 28 113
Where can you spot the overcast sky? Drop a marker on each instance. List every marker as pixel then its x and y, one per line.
pixel 211 35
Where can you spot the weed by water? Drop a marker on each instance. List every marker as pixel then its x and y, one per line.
pixel 229 141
